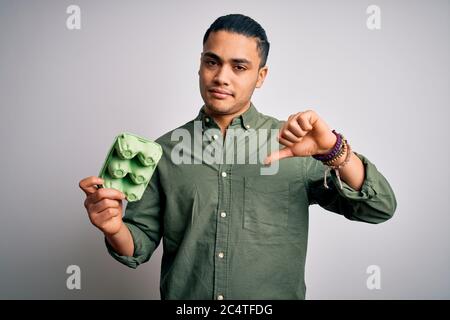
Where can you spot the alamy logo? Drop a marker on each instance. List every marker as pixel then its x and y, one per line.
pixel 74 280
pixel 241 146
pixel 73 21
pixel 374 19
pixel 374 280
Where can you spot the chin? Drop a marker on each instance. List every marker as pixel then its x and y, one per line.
pixel 219 107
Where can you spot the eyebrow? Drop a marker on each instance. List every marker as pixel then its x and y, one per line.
pixel 234 60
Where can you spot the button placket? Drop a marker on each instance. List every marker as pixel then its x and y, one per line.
pixel 220 261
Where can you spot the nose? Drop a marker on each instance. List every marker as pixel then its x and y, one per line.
pixel 222 76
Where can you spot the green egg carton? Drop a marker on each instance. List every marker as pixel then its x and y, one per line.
pixel 130 164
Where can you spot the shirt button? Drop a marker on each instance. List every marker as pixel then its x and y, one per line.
pixel 220 297
pixel 215 137
pixel 247 126
pixel 224 174
pixel 207 119
pixel 221 255
pixel 223 214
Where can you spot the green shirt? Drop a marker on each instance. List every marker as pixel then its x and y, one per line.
pixel 229 232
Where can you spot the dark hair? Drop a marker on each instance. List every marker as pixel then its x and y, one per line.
pixel 243 25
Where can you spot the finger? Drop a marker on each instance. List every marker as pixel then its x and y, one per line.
pixel 108 214
pixel 106 193
pixel 305 120
pixel 288 135
pixel 285 142
pixel 283 127
pixel 88 185
pixel 278 155
pixel 104 204
pixel 294 127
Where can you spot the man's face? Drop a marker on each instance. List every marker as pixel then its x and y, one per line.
pixel 229 72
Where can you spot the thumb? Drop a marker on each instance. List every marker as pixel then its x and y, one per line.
pixel 278 155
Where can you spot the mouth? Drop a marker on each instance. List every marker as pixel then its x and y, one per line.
pixel 220 93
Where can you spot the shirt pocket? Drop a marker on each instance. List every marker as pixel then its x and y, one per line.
pixel 266 204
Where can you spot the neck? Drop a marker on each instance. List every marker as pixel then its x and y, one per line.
pixel 224 120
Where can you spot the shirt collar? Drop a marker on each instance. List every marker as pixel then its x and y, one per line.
pixel 247 120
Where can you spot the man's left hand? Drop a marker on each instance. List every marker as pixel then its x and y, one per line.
pixel 303 134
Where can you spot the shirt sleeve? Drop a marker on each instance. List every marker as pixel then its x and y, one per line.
pixel 374 203
pixel 144 222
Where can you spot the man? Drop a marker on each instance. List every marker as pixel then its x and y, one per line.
pixel 229 231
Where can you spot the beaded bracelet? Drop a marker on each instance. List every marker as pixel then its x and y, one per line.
pixel 339 155
pixel 337 147
pixel 336 168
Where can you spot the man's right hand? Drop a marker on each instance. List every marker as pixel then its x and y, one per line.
pixel 104 206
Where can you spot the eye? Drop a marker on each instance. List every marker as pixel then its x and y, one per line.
pixel 210 62
pixel 240 68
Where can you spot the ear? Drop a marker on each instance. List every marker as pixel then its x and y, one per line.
pixel 200 64
pixel 262 73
